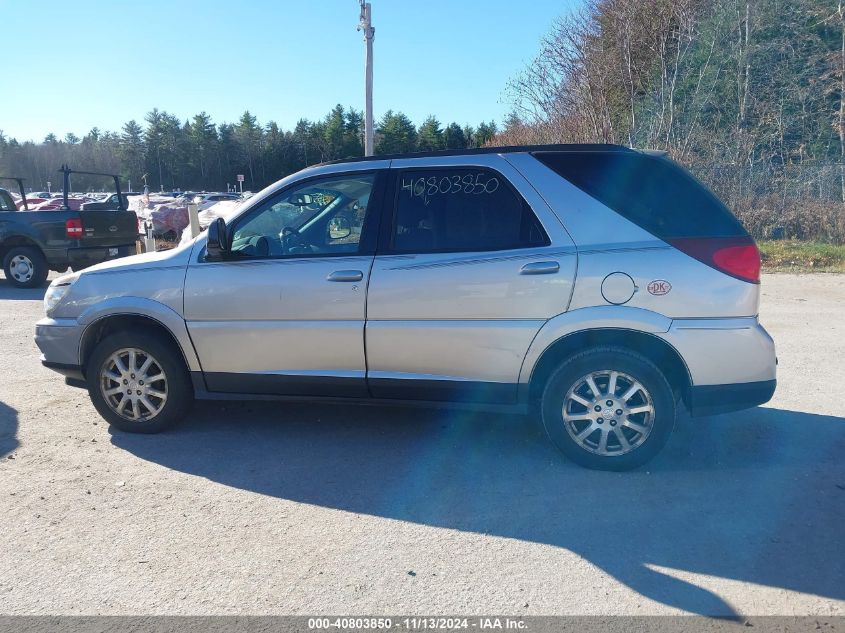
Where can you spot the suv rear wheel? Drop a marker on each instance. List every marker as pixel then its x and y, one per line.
pixel 25 267
pixel 608 409
pixel 137 383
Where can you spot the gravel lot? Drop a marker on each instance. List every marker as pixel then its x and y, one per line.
pixel 271 508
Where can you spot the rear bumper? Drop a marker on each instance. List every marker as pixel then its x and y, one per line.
pixel 732 363
pixel 83 257
pixel 724 351
pixel 715 399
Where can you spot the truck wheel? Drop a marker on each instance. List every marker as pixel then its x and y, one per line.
pixel 25 267
pixel 137 383
pixel 608 408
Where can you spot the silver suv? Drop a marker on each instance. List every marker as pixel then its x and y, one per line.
pixel 602 288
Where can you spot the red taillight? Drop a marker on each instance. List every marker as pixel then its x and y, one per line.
pixel 73 228
pixel 735 256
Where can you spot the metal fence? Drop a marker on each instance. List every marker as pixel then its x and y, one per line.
pixel 790 201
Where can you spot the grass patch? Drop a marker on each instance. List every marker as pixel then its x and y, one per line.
pixel 796 256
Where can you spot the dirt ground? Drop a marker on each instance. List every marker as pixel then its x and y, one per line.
pixel 277 508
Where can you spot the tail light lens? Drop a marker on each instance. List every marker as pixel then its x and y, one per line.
pixel 73 228
pixel 734 256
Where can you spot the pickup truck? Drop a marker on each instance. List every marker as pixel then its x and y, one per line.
pixel 32 243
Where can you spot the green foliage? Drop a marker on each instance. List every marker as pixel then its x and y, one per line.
pixel 797 256
pixel 395 134
pixel 430 135
pixel 197 154
pixel 484 133
pixel 454 137
pixel 724 81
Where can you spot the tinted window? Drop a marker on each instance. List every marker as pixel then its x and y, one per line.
pixel 652 192
pixel 320 217
pixel 6 203
pixel 461 210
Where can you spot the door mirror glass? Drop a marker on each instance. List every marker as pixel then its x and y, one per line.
pixel 218 243
pixel 339 228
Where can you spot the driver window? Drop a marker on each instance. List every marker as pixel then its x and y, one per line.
pixel 319 217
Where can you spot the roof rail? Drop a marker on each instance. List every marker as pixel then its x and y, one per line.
pixel 507 149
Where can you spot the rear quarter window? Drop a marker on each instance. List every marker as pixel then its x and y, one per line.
pixel 652 192
pixel 6 202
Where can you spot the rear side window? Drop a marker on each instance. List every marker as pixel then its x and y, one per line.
pixel 442 210
pixel 6 203
pixel 653 193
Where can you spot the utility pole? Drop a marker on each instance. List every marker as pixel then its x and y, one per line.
pixel 366 25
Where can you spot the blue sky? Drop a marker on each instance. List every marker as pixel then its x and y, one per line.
pixel 103 63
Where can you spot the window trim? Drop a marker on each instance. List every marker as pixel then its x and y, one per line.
pixel 369 231
pixel 391 211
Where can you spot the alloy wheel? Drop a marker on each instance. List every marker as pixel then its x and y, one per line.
pixel 608 413
pixel 133 384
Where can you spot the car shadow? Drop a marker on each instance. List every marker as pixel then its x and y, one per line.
pixel 8 292
pixel 8 429
pixel 756 497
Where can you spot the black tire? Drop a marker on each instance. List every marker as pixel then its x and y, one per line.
pixel 39 268
pixel 177 384
pixel 644 445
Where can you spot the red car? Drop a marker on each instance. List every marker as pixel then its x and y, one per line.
pixel 56 203
pixel 30 202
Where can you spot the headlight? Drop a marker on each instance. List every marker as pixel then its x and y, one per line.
pixel 56 292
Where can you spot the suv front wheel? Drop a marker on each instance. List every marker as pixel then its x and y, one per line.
pixel 608 409
pixel 137 383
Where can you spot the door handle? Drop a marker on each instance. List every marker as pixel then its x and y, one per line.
pixel 540 268
pixel 346 275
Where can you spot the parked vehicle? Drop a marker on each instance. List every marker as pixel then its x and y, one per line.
pixel 31 201
pixel 34 242
pixel 602 288
pixel 114 202
pixel 206 200
pixel 74 204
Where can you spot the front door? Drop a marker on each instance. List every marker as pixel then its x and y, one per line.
pixel 284 313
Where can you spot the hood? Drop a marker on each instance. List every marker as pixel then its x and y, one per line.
pixel 178 256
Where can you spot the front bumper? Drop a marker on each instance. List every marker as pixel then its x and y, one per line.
pixel 58 340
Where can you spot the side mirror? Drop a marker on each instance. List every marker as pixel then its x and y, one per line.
pixel 217 247
pixel 339 228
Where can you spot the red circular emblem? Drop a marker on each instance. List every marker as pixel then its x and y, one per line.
pixel 659 287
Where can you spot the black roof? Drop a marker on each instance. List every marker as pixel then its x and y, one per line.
pixel 560 147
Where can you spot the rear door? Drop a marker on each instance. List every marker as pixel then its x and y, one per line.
pixel 471 263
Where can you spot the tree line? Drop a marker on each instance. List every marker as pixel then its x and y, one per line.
pixel 168 154
pixel 748 93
